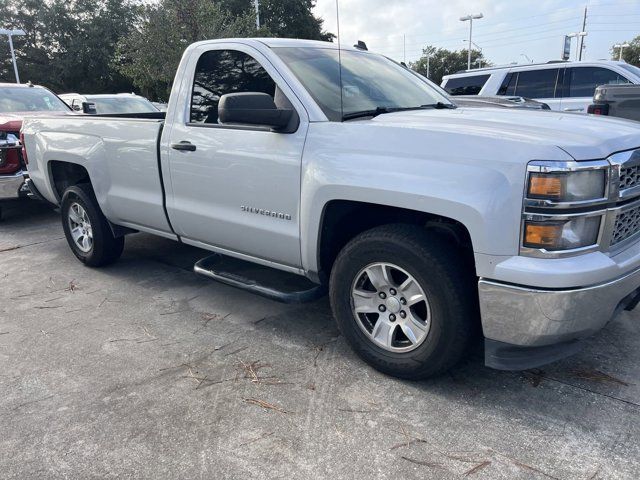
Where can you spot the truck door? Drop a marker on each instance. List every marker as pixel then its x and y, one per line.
pixel 236 187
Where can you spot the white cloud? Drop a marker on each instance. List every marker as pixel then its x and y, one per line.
pixel 509 29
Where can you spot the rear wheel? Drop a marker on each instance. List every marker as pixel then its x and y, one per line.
pixel 86 228
pixel 404 301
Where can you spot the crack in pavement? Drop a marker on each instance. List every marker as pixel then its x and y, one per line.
pixel 16 247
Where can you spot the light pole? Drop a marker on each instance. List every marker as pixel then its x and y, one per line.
pixel 471 17
pixel 621 46
pixel 578 46
pixel 10 34
pixel 477 46
pixel 257 5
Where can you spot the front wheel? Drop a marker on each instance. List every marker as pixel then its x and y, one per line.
pixel 86 228
pixel 404 300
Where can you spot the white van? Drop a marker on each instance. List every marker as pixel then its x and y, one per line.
pixel 565 86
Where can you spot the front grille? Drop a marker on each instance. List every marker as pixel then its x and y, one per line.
pixel 629 177
pixel 627 224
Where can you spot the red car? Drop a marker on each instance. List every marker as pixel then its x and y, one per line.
pixel 16 102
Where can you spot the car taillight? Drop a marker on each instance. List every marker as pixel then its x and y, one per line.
pixel 24 149
pixel 598 109
pixel 9 160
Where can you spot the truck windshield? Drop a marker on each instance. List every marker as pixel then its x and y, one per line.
pixel 370 82
pixel 29 99
pixel 108 105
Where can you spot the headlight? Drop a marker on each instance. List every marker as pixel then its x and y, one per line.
pixel 561 233
pixel 570 187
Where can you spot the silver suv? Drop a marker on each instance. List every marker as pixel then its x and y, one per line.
pixel 564 86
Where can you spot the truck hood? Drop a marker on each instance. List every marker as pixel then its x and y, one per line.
pixel 584 137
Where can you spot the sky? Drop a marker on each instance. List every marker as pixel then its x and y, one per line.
pixel 510 31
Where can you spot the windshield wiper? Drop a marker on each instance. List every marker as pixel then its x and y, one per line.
pixel 441 105
pixel 368 113
pixel 381 110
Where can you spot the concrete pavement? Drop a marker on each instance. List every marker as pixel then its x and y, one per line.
pixel 145 370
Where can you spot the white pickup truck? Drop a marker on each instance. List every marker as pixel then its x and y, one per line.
pixel 428 223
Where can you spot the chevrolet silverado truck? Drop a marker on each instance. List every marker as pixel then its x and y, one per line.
pixel 303 167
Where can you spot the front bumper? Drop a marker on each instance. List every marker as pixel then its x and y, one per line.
pixel 11 185
pixel 543 325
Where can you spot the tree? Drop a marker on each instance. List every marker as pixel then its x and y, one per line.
pixel 150 55
pixel 443 62
pixel 108 46
pixel 68 44
pixel 630 54
pixel 283 18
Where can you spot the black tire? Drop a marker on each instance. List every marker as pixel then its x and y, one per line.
pixel 105 248
pixel 447 282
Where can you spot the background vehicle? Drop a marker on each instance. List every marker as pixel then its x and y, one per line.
pixel 16 101
pixel 160 106
pixel 110 104
pixel 564 86
pixel 617 101
pixel 362 177
pixel 501 102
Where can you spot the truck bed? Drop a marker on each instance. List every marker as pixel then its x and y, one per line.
pixel 621 101
pixel 120 151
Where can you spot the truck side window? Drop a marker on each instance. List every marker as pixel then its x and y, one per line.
pixel 225 71
pixel 466 85
pixel 584 80
pixel 537 83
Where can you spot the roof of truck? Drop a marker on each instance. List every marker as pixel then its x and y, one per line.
pixel 282 42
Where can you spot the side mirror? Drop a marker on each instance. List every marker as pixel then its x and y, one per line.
pixel 89 108
pixel 252 108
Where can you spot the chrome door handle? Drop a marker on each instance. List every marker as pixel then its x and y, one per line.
pixel 184 146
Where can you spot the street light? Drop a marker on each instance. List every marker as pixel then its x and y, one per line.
pixel 621 47
pixel 577 34
pixel 10 34
pixel 471 17
pixel 478 47
pixel 257 6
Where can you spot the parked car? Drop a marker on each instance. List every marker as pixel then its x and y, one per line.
pixel 501 102
pixel 109 104
pixel 424 221
pixel 617 101
pixel 16 101
pixel 564 86
pixel 160 106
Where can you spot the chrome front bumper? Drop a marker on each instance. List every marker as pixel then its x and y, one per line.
pixel 529 318
pixel 11 185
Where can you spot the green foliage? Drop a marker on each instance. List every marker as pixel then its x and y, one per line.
pixel 108 46
pixel 444 62
pixel 149 55
pixel 630 54
pixel 69 43
pixel 283 18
